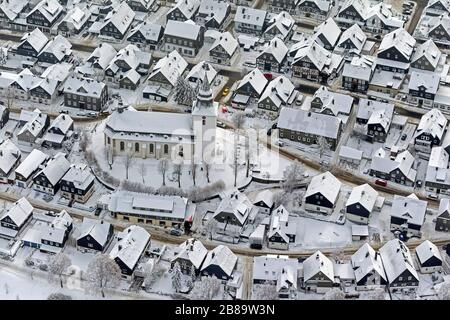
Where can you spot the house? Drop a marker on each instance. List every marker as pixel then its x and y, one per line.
pixel 400 170
pixel 78 183
pixel 322 193
pixel 249 20
pixel 429 257
pixel 437 7
pixel 281 26
pixel 57 50
pixel 439 30
pixel 283 5
pixel 58 72
pixel 309 127
pixel 198 73
pixel 273 56
pixel 313 9
pixel 430 131
pixel 147 34
pixel 327 34
pixel 15 218
pixel 156 93
pixel 48 179
pixel 427 56
pixel 44 15
pixel 252 84
pixel 437 179
pixel 408 215
pixel 44 91
pixel 352 41
pixel 395 51
pixel 360 232
pixel 9 159
pixel 32 43
pixel 368 268
pixel 399 266
pixel 234 209
pixel 366 107
pixel 33 128
pixel 332 103
pixel 29 167
pixel 60 129
pixel 117 22
pixel 315 63
pixel 257 237
pixel 318 273
pixel 85 94
pixel 224 49
pixel 184 36
pixel 50 232
pixel 422 88
pixel 75 20
pixel 350 156
pixel 377 116
pixel 443 218
pixel 361 203
pixel 278 94
pixel 220 262
pixel 271 269
pixel 4 115
pixel 264 201
pixel 98 60
pixel 163 211
pixel 281 232
pixel 213 14
pixel 94 235
pixel 131 245
pixel 167 70
pixel 141 5
pixel 184 10
pixel 10 11
pixel 189 255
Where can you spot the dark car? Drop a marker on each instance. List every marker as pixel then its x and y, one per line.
pixel 274 126
pixel 98 211
pixel 419 183
pixel 175 232
pixel 269 132
pixel 404 136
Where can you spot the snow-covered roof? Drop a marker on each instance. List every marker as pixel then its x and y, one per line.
pixel 323 5
pixel 187 7
pixel 256 79
pixel 442 21
pixel 36 39
pixel 121 17
pixel 427 250
pixel 20 211
pixel 282 22
pixel 80 175
pixel 198 72
pixel 250 16
pixel 399 39
pixel 433 123
pixel 316 263
pixel 365 195
pixel 85 87
pixel 279 91
pixel 366 107
pixel 438 158
pixel 227 42
pixel 50 9
pixel 326 184
pixel 171 67
pixel 359 68
pixel 355 35
pixel 382 117
pixel 132 56
pixel 77 16
pixel 397 259
pixel 237 204
pixel 337 103
pixel 322 59
pixel 222 257
pixel 265 196
pixel 365 260
pixel 62 122
pixel 309 122
pixel 428 80
pixel 12 9
pixel 403 161
pixel 277 49
pixel 329 30
pixel 31 163
pixel 143 122
pixel 102 55
pixel 182 29
pixel 58 71
pixel 192 250
pixel 55 168
pixel 98 230
pixel 430 51
pixel 268 268
pixel 350 153
pixel 150 31
pixel 413 210
pixel 60 47
pixel 131 245
pixel 9 155
pixel 214 9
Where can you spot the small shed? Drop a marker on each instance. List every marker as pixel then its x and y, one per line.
pixel 359 232
pixel 350 155
pixel 256 239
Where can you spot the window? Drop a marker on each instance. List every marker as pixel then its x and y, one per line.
pixel 122 145
pixel 136 147
pixel 204 120
pixel 166 149
pixel 126 218
pixel 152 147
pixel 109 140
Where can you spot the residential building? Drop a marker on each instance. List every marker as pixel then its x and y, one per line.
pixel 117 22
pixel 249 20
pixel 279 93
pixel 95 235
pixel 48 179
pixel 29 167
pixel 57 50
pixel 264 201
pixel 85 94
pixel 184 10
pixel 234 210
pixel 327 34
pixel 189 255
pixel 167 70
pixel 357 74
pixel 322 193
pixel 400 170
pixel 224 49
pixel 318 273
pixel 430 131
pixel 75 20
pixel 14 219
pixel 273 56
pixel 429 257
pixel 361 203
pixel 186 37
pixel 408 215
pixel 395 51
pixel 368 268
pixel 44 15
pixel 34 127
pixel 281 26
pixel 281 232
pixel 60 129
pixel 9 159
pixel 313 9
pixel 213 14
pixel 252 84
pixel 32 43
pixel 78 183
pixel 443 218
pixel 147 34
pixel 220 262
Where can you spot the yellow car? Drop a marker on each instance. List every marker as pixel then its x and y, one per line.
pixel 225 91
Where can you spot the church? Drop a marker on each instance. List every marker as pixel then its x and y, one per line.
pixel 175 136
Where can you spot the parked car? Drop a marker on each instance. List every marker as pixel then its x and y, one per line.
pixel 175 232
pixel 381 182
pixel 98 211
pixel 404 136
pixel 64 111
pixel 268 76
pixel 221 124
pixel 250 64
pixel 47 197
pixel 269 132
pixel 281 143
pixel 419 183
pixel 226 91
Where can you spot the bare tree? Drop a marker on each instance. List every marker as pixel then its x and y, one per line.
pixel 176 277
pixel 194 167
pixel 323 144
pixel 103 272
pixel 444 291
pixel 266 291
pixel 58 264
pixel 207 167
pixel 206 288
pixel 235 164
pixel 163 166
pixel 334 294
pixel 292 176
pixel 177 172
pixel 151 276
pixel 143 171
pixel 127 162
pixel 59 296
pixel 238 120
pixel 10 97
pixel 210 227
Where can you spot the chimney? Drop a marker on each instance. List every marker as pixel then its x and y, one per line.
pixel 275 43
pixel 129 230
pixel 101 221
pixel 213 254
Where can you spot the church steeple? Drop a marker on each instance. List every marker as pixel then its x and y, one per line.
pixel 205 96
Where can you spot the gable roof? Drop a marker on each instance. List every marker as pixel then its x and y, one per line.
pixel 80 175
pixel 256 79
pixel 50 9
pixel 413 210
pixel 277 49
pixel 55 168
pixel 214 9
pixel 182 29
pixel 150 31
pixel 121 17
pixel 222 257
pixel 13 8
pixel 62 122
pixel 365 195
pixel 237 204
pixel 36 38
pixel 365 260
pixel 171 67
pixel 85 87
pixel 337 103
pixel 31 163
pixel 59 47
pixel 192 250
pixel 322 59
pixel 279 91
pixel 198 71
pixel 329 30
pixel 399 39
pixel 283 22
pixel 427 250
pixel 430 51
pixel 102 55
pixel 98 230
pixel 424 79
pixel 187 7
pixel 20 211
pixel 433 123
pixel 250 16
pixel 227 42
pixel 9 155
pixel 266 196
pixel 326 184
pixel 355 35
pixel 397 259
pixel 316 263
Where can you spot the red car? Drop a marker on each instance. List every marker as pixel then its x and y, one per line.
pixel 268 76
pixel 380 182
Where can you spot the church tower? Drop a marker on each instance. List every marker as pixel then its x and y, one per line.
pixel 204 118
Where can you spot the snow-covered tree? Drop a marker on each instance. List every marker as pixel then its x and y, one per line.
pixel 58 264
pixel 444 291
pixel 323 144
pixel 207 167
pixel 163 166
pixel 143 171
pixel 265 291
pixel 176 277
pixel 127 162
pixel 193 169
pixel 103 272
pixel 235 163
pixel 292 176
pixel 238 120
pixel 59 296
pixel 334 294
pixel 152 276
pixel 177 172
pixel 185 94
pixel 210 227
pixel 206 288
